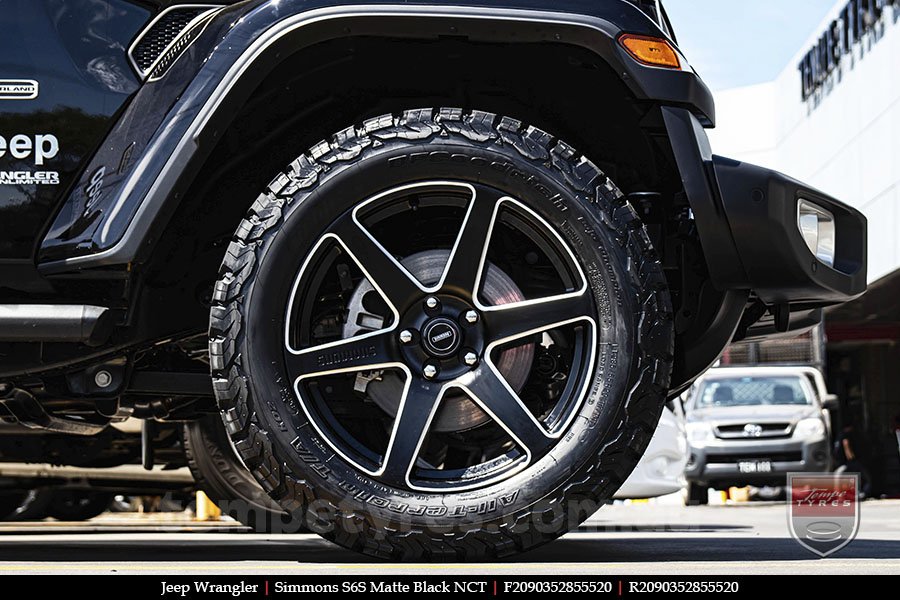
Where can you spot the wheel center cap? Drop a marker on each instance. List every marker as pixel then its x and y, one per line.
pixel 441 337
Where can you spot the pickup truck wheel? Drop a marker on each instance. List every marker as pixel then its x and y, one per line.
pixel 698 495
pixel 68 505
pixel 441 336
pixel 219 473
pixel 33 505
pixel 10 502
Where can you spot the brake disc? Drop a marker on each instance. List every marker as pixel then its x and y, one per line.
pixel 457 412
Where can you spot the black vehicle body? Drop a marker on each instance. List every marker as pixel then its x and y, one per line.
pixel 106 277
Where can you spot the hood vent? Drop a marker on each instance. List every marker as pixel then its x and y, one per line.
pixel 168 35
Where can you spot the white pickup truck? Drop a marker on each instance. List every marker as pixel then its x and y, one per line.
pixel 753 425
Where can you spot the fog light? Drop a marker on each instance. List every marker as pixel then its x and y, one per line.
pixel 817 227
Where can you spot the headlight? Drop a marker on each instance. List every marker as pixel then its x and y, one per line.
pixel 699 432
pixel 817 227
pixel 809 428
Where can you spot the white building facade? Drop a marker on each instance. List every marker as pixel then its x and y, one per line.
pixel 845 138
pixel 832 119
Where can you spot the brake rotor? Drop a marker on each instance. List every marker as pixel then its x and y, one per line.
pixel 457 412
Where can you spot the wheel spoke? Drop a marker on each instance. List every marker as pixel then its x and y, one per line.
pixel 358 353
pixel 462 272
pixel 510 321
pixel 442 336
pixel 492 393
pixel 417 408
pixel 383 270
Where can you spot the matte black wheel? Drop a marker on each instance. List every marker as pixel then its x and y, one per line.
pixel 219 473
pixel 441 336
pixel 76 505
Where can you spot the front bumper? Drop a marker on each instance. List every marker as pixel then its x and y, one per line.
pixel 717 462
pixel 761 207
pixel 747 221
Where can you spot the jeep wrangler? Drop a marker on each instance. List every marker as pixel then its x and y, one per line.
pixel 436 265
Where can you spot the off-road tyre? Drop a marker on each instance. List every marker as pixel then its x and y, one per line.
pixel 220 474
pixel 74 505
pixel 697 494
pixel 534 507
pixel 10 501
pixel 33 505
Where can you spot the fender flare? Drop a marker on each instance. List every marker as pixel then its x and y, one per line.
pixel 151 155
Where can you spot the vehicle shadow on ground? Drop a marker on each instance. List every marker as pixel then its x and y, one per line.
pixel 575 548
pixel 606 527
pixel 676 548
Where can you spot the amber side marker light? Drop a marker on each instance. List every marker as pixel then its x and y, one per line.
pixel 651 51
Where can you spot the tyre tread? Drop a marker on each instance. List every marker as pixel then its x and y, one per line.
pixel 654 345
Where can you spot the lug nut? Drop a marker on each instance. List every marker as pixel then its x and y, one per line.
pixel 470 358
pixel 432 302
pixel 471 317
pixel 406 336
pixel 103 379
pixel 430 371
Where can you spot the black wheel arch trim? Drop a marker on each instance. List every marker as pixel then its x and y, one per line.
pixel 161 140
pixel 693 156
pixel 695 354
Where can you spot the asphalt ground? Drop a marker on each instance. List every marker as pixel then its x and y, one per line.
pixel 619 540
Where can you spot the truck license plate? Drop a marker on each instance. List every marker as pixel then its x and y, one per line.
pixel 755 466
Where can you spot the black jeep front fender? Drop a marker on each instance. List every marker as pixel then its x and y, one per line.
pixel 164 135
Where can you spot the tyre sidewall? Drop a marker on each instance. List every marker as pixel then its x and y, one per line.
pixel 219 472
pixel 580 221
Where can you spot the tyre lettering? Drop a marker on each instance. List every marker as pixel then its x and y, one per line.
pixel 309 458
pixel 614 281
pixel 571 234
pixel 288 399
pixel 273 410
pixel 330 359
pixel 484 507
pixel 588 229
pixel 601 294
pixel 608 362
pixel 559 202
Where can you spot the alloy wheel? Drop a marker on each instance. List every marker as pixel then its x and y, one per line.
pixel 444 363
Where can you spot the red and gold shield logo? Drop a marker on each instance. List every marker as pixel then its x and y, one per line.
pixel 823 514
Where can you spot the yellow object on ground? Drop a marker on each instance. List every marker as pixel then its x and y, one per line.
pixel 739 494
pixel 206 509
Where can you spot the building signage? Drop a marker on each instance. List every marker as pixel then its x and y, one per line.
pixel 857 19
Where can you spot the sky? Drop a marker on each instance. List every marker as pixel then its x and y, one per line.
pixel 733 43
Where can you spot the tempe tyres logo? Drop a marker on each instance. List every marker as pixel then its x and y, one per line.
pixel 823 515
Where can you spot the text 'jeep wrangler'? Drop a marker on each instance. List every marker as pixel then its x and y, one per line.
pixel 437 265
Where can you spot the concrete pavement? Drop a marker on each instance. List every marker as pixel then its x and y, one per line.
pixel 619 540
